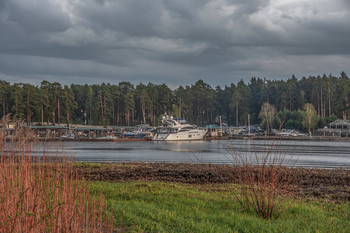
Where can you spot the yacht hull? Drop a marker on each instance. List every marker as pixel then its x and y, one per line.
pixel 181 136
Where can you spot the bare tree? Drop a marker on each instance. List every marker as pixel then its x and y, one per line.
pixel 310 118
pixel 267 113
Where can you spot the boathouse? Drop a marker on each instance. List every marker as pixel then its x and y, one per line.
pixel 338 128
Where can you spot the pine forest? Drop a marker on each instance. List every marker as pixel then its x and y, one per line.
pixel 124 104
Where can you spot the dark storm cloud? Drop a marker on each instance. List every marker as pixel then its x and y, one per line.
pixel 27 22
pixel 176 42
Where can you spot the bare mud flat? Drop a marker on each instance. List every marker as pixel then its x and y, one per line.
pixel 324 184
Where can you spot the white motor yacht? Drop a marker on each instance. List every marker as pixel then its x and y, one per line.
pixel 178 130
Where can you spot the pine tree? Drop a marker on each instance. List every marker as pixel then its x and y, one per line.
pixel 69 103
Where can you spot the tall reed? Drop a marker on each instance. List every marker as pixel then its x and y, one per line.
pixel 40 192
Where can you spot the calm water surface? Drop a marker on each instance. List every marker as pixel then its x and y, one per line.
pixel 301 153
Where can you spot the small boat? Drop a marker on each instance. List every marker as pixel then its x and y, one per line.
pixel 178 130
pixel 142 132
pixel 136 134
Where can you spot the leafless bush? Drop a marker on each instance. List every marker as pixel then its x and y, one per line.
pixel 39 194
pixel 264 179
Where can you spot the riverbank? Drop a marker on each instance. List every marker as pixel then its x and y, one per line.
pixel 310 184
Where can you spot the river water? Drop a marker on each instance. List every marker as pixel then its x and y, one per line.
pixel 319 154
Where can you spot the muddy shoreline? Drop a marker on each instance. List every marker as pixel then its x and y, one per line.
pixel 324 184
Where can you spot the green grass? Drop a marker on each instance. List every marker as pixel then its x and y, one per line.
pixel 168 207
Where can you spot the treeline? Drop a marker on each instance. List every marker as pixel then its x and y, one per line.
pixel 201 104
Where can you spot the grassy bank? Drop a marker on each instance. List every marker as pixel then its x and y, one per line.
pixel 172 207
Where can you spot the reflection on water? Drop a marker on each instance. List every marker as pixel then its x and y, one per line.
pixel 185 150
pixel 101 148
pixel 302 153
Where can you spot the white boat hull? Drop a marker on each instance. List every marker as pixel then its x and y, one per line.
pixel 196 134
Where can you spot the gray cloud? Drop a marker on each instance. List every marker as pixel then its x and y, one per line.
pixel 26 16
pixel 176 42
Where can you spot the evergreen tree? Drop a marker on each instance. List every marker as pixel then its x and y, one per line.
pixel 5 93
pixel 69 103
pixel 18 107
pixel 44 101
pixel 127 101
pixel 142 100
pixel 32 102
pixel 89 105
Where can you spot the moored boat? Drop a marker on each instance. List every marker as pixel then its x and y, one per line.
pixel 178 130
pixel 143 132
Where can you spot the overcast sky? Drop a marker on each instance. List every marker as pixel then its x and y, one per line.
pixel 176 42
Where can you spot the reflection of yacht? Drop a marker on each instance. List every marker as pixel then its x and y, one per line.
pixel 178 130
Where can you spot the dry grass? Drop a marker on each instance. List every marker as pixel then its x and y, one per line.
pixel 42 193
